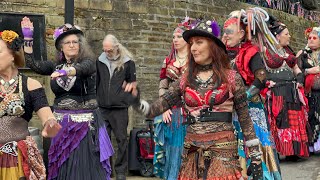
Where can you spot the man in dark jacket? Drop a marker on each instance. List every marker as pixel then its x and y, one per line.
pixel 115 68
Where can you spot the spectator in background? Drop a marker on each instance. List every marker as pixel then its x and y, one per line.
pixel 115 68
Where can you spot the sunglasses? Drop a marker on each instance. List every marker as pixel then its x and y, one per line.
pixel 312 38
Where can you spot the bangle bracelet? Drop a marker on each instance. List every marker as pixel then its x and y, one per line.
pixel 252 142
pixel 28 43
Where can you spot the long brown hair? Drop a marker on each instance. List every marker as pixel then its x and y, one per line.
pixel 220 64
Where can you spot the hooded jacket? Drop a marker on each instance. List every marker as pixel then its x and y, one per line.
pixel 110 93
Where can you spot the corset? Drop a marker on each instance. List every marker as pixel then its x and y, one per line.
pixel 194 99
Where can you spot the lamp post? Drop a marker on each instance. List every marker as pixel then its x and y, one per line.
pixel 68 11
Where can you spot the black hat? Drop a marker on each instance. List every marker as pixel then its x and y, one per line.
pixel 63 31
pixel 203 28
pixel 275 26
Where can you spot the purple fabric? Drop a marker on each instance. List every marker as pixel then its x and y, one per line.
pixel 316 146
pixel 27 32
pixel 68 139
pixel 62 72
pixel 106 150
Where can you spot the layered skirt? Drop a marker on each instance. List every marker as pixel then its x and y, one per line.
pixel 270 161
pixel 21 160
pixel 288 119
pixel 169 139
pixel 209 154
pixel 82 148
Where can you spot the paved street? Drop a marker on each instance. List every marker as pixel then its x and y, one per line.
pixel 302 170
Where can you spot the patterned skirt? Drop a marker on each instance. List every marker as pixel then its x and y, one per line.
pixel 212 156
pixel 82 148
pixel 169 139
pixel 270 161
pixel 21 160
pixel 288 119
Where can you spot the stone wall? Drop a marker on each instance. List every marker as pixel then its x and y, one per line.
pixel 144 26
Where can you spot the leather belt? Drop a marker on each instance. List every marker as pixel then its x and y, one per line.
pixel 208 116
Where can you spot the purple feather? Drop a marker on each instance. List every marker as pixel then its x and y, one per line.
pixel 215 28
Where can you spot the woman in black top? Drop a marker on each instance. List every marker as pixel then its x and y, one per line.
pixel 19 97
pixel 82 148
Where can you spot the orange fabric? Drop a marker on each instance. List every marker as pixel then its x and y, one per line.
pixel 12 172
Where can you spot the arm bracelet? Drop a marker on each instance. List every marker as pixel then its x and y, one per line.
pixel 252 142
pixel 28 43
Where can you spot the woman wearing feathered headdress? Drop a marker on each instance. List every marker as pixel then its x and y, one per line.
pixel 245 58
pixel 169 131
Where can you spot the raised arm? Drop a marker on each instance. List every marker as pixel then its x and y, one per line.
pixel 40 67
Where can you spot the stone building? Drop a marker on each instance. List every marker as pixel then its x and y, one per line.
pixel 144 26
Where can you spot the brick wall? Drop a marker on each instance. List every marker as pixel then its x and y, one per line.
pixel 144 26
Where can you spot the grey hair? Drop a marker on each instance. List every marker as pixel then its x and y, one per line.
pixel 85 51
pixel 123 51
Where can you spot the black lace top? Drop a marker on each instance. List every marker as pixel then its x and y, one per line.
pixel 80 88
pixel 23 102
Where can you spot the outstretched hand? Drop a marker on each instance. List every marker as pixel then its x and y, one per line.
pixel 27 28
pixel 131 88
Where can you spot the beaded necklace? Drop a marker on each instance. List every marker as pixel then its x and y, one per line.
pixel 9 86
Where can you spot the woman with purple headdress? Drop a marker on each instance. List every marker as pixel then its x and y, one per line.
pixel 169 130
pixel 82 148
pixel 210 92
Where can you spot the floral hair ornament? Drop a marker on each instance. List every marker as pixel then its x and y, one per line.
pixel 204 28
pixel 63 31
pixel 183 26
pixel 307 32
pixel 12 39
